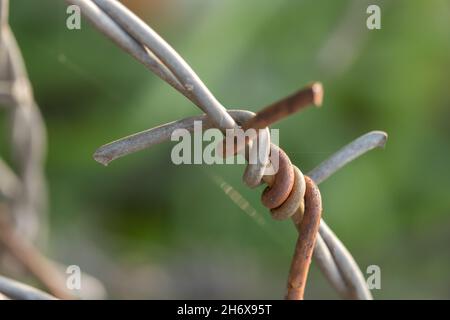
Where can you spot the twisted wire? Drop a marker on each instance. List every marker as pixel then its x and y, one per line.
pixel 24 189
pixel 23 198
pixel 331 256
pixel 23 195
pixel 138 39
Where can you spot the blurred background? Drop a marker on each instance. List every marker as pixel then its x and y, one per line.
pixel 147 228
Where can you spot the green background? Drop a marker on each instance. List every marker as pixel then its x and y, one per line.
pixel 150 229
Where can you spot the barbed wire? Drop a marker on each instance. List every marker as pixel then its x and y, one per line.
pixel 334 260
pixel 144 44
pixel 23 190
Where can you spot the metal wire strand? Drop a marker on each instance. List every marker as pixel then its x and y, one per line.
pixel 353 278
pixel 28 206
pixel 23 191
pixel 349 288
pixel 18 291
pixel 137 29
pixel 192 87
pixel 353 150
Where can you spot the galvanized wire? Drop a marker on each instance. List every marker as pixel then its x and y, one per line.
pixel 138 39
pixel 344 276
pixel 23 195
pixel 23 190
pixel 23 198
pixel 18 291
pixel 25 187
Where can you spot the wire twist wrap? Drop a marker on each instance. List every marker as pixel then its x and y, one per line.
pixel 122 26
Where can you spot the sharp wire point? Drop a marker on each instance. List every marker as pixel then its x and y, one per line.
pixel 143 43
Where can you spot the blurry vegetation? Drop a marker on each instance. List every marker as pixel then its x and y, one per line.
pixel 142 224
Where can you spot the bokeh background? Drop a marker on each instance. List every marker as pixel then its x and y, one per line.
pixel 150 229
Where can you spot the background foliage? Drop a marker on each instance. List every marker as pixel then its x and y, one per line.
pixel 150 229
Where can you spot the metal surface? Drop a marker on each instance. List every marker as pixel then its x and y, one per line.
pixel 171 59
pixel 308 228
pixel 333 259
pixel 24 188
pixel 295 200
pixel 23 191
pixel 19 291
pixel 312 94
pixel 277 193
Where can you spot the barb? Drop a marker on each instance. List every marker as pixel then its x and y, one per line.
pixel 350 276
pixel 312 94
pixel 347 154
pixel 333 271
pixel 148 138
pixel 333 262
pixel 23 195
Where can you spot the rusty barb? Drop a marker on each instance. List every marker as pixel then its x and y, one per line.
pixel 289 193
pixel 240 139
pixel 312 94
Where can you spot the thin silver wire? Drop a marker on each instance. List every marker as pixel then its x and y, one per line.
pixel 333 259
pixel 137 38
pixel 18 291
pixel 24 188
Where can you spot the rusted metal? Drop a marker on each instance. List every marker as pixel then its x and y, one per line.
pixel 282 188
pixel 295 201
pixel 15 290
pixel 274 195
pixel 36 263
pixel 289 193
pixel 308 229
pixel 312 94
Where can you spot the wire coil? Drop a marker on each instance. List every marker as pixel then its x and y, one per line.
pixel 285 190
